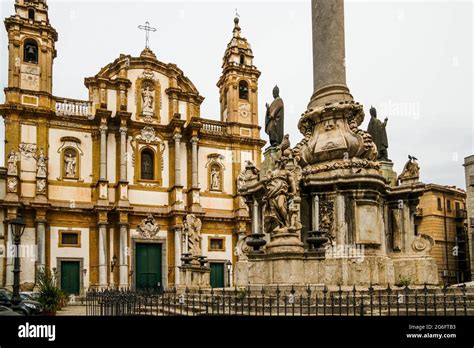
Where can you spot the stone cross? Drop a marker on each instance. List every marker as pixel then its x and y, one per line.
pixel 147 29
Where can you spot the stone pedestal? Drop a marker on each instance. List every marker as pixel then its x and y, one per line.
pixel 271 155
pixel 192 276
pixel 386 167
pixel 285 243
pixel 302 269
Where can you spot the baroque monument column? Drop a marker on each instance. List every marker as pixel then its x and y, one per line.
pixel 123 256
pixel 102 254
pixel 329 55
pixel 123 153
pixel 177 159
pixel 194 162
pixel 103 153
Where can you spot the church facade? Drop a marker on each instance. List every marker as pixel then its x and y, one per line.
pixel 106 185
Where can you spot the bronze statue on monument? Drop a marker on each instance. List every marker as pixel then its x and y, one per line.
pixel 274 119
pixel 378 130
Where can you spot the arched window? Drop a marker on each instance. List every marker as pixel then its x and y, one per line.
pixel 243 90
pixel 147 163
pixel 30 51
pixel 31 14
pixel 242 59
pixel 70 163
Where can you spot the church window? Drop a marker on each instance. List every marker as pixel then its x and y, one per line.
pixel 30 51
pixel 242 59
pixel 216 244
pixel 147 165
pixel 31 14
pixel 243 90
pixel 69 238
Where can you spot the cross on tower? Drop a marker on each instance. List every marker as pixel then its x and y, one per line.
pixel 147 29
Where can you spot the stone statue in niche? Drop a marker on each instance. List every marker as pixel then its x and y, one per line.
pixel 148 228
pixel 12 167
pixel 192 226
pixel 70 162
pixel 274 119
pixel 378 131
pixel 148 100
pixel 41 165
pixel 215 179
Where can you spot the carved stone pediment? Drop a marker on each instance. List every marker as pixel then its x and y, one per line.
pixel 148 228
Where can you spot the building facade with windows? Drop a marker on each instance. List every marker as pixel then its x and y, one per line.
pixel 441 214
pixel 469 171
pixel 106 184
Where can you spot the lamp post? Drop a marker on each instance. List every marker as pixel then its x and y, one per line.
pixel 17 228
pixel 229 267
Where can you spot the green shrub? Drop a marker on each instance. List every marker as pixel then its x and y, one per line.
pixel 403 281
pixel 49 293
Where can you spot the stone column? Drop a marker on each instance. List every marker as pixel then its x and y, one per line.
pixel 194 160
pixel 9 260
pixel 123 256
pixel 102 254
pixel 103 153
pixel 328 52
pixel 123 153
pixel 177 254
pixel 255 218
pixel 177 160
pixel 41 243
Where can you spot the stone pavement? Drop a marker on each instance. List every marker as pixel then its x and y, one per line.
pixel 72 310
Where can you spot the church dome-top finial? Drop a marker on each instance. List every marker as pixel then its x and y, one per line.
pixel 147 53
pixel 236 26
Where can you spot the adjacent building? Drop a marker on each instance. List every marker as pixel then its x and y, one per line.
pixel 441 214
pixel 469 170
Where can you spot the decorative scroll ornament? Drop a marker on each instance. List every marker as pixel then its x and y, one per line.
pixel 422 243
pixel 148 134
pixel 28 150
pixel 148 228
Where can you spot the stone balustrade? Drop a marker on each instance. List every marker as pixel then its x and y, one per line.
pixel 214 127
pixel 70 107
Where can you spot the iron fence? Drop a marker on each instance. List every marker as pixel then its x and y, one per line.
pixel 246 302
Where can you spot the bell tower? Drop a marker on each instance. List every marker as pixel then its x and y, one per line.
pixel 238 84
pixel 31 48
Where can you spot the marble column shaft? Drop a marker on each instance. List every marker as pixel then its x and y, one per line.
pixel 41 243
pixel 194 165
pixel 102 255
pixel 103 153
pixel 123 256
pixel 177 253
pixel 123 154
pixel 177 159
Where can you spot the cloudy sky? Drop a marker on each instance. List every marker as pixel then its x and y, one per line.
pixel 410 59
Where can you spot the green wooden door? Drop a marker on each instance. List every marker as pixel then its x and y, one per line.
pixel 217 275
pixel 70 281
pixel 148 266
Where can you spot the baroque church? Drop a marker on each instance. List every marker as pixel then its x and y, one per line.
pixel 113 187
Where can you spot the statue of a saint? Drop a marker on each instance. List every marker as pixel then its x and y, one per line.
pixel 274 119
pixel 280 188
pixel 147 95
pixel 70 163
pixel 411 169
pixel 192 226
pixel 378 131
pixel 13 158
pixel 41 165
pixel 215 179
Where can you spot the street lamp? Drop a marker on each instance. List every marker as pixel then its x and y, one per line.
pixel 229 267
pixel 17 228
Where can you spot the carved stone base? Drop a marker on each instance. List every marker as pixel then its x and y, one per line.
pixel 195 276
pixel 304 269
pixel 386 167
pixel 271 155
pixel 285 243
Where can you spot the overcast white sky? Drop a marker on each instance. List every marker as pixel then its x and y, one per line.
pixel 411 59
